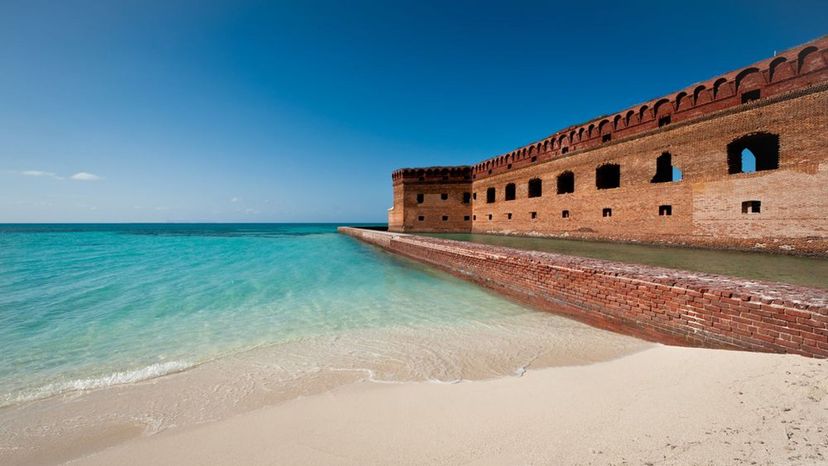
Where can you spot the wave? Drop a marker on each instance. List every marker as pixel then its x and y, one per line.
pixel 117 378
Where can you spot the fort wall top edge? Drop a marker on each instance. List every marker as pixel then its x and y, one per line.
pixel 796 68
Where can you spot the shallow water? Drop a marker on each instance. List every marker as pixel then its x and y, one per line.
pixel 90 306
pixel 93 317
pixel 805 271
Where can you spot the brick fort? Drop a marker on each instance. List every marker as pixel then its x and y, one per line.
pixel 737 161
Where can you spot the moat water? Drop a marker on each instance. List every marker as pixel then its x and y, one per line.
pixel 805 271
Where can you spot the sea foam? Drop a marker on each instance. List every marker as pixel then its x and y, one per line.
pixel 117 378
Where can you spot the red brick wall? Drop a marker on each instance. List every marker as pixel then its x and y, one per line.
pixel 659 304
pixel 794 69
pixel 706 204
pixel 434 213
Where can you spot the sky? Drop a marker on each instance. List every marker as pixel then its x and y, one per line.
pixel 298 111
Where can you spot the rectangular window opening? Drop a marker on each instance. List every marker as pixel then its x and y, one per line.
pixel 421 218
pixel 564 214
pixel 465 218
pixel 751 207
pixel 466 198
pixel 511 192
pixel 607 212
pixel 490 216
pixel 753 152
pixel 420 198
pixel 509 216
pixel 534 159
pixel 665 210
pixel 534 215
pixel 606 138
pixel 444 196
pixel 664 121
pixel 445 218
pixel 750 96
pixel 608 176
pixel 564 150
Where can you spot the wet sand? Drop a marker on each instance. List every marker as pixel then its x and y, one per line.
pixel 64 427
pixel 662 405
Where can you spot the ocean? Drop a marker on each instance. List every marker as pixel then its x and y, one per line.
pixel 163 325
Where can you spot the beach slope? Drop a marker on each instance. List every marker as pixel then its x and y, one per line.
pixel 664 405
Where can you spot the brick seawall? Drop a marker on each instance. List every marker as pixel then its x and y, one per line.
pixel 665 305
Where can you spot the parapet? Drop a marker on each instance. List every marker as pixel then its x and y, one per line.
pixel 462 173
pixel 793 69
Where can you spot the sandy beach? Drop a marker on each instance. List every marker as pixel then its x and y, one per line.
pixel 413 233
pixel 663 405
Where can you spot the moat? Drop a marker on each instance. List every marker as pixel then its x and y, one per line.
pixel 805 271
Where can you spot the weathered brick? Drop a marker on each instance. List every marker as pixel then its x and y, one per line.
pixel 611 300
pixel 706 205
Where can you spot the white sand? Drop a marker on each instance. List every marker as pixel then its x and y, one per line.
pixel 665 405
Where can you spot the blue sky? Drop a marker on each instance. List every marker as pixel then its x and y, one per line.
pixel 299 111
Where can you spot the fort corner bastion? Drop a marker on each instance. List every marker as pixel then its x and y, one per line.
pixel 737 161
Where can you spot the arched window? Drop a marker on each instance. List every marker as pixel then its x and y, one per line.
pixel 681 97
pixel 566 182
pixel 719 87
pixel 608 176
pixel 773 66
pixel 661 107
pixel 490 195
pixel 535 187
pixel 604 131
pixel 697 93
pixel 802 56
pixel 510 192
pixel 747 75
pixel 754 152
pixel 665 171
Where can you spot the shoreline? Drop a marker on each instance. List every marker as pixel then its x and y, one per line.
pixel 671 405
pixel 62 427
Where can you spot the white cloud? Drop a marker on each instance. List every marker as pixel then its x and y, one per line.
pixel 234 199
pixel 40 173
pixel 84 176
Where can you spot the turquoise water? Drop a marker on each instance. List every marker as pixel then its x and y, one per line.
pixel 96 305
